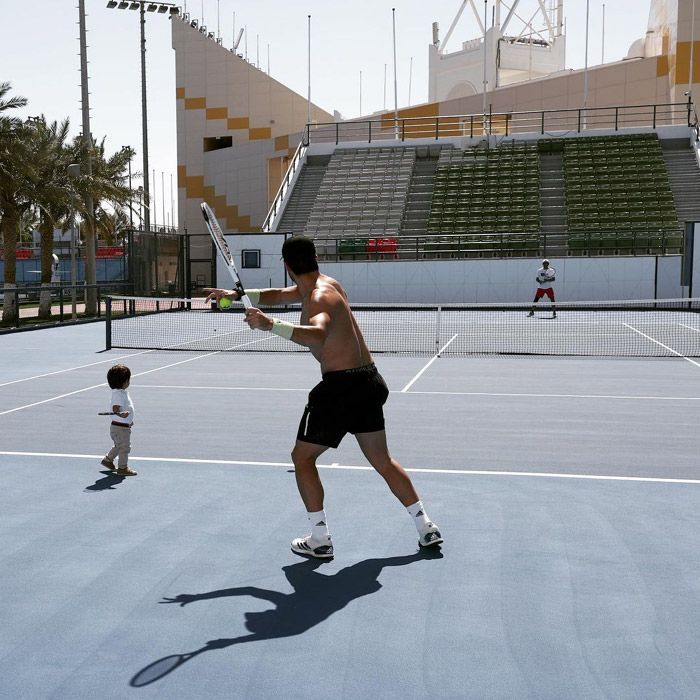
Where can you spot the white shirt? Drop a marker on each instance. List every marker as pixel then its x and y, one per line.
pixel 545 278
pixel 121 398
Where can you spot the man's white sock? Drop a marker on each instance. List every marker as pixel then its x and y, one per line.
pixel 420 518
pixel 319 526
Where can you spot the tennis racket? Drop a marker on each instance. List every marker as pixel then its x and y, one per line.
pixel 107 413
pixel 224 252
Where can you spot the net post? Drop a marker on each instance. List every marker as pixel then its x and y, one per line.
pixel 438 320
pixel 108 323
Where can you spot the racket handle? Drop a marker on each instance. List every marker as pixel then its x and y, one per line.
pixel 246 301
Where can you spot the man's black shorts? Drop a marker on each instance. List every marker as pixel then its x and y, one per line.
pixel 348 401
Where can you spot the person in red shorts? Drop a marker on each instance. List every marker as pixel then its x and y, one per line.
pixel 545 286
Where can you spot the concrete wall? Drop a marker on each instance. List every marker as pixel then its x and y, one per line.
pixel 472 281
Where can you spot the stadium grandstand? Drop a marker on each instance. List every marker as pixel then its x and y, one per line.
pixel 519 171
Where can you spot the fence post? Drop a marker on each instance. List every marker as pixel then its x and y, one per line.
pixel 579 121
pixel 336 133
pixel 542 128
pixel 403 129
pixel 108 325
pixel 369 133
pixel 437 128
pixel 617 113
pixel 654 118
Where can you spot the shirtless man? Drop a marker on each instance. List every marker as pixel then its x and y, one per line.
pixel 348 399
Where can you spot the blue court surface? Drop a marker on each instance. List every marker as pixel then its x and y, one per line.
pixel 567 490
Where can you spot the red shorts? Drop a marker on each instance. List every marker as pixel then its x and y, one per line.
pixel 545 292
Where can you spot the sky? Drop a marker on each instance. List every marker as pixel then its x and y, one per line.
pixel 39 56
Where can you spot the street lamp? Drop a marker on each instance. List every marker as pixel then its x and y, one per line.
pixel 160 8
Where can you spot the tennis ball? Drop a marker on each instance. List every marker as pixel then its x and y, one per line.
pixel 224 303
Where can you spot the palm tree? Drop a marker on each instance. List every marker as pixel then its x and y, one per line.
pixel 14 189
pixel 108 186
pixel 53 196
pixel 7 121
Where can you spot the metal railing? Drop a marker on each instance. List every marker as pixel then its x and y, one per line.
pixel 67 302
pixel 389 128
pixel 497 245
pixel 284 188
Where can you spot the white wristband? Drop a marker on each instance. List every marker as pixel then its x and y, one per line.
pixel 253 295
pixel 282 328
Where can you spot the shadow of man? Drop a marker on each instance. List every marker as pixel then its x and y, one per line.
pixel 314 599
pixel 107 482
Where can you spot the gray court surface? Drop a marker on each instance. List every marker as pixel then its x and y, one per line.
pixel 567 490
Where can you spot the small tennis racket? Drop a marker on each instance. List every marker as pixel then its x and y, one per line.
pixel 225 252
pixel 107 413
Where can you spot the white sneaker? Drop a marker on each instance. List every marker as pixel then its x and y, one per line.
pixel 430 537
pixel 307 548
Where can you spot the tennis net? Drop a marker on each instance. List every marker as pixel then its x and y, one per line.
pixel 656 328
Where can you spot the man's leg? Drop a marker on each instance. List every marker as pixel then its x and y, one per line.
pixel 304 456
pixel 374 447
pixel 318 543
pixel 534 301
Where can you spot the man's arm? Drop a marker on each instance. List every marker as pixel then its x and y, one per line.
pixel 312 334
pixel 266 297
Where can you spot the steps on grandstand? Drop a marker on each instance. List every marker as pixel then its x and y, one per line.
pixel 303 196
pixel 553 204
pixel 683 177
pixel 363 192
pixel 420 193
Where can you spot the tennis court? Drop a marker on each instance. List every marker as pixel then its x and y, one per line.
pixel 567 490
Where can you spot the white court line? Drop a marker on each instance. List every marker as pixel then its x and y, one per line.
pixel 114 359
pixel 138 374
pixel 697 330
pixel 350 467
pixel 186 387
pixel 653 340
pixel 96 386
pixel 71 369
pixel 435 357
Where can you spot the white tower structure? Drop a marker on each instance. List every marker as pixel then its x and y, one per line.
pixel 520 40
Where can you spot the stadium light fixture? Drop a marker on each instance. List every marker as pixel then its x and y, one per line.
pixel 161 8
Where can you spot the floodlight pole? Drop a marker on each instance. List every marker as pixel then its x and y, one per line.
pixel 162 7
pixel 144 122
pixel 692 54
pixel 585 70
pixel 308 101
pixel 396 94
pixel 91 236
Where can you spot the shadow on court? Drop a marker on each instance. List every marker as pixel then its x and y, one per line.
pixel 314 599
pixel 106 483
